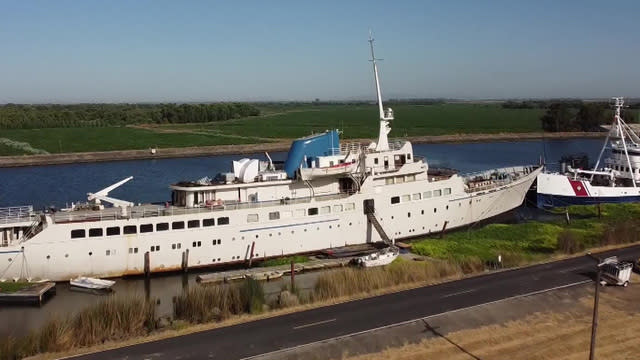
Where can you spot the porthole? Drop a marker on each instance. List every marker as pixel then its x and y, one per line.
pixel 256 236
pixel 270 234
pixel 218 259
pixel 9 259
pixel 435 210
pixel 305 230
pixel 48 257
pixel 318 228
pixel 90 253
pixel 66 255
pixel 447 207
pixel 349 224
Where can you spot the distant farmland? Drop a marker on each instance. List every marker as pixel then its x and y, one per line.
pixel 279 122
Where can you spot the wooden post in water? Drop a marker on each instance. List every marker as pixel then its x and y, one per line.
pixel 185 260
pixel 253 245
pixel 444 228
pixel 599 211
pixel 147 267
pixel 293 276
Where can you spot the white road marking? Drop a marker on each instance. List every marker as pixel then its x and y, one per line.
pixel 459 293
pixel 313 324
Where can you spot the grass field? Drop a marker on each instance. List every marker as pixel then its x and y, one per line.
pixel 530 241
pixel 58 140
pixel 360 121
pixel 356 121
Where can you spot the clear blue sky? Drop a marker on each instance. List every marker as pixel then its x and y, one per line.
pixel 132 51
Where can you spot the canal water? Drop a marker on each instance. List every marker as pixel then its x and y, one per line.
pixel 59 185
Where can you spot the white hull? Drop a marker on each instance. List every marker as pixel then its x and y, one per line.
pixel 562 190
pixel 91 283
pixel 53 254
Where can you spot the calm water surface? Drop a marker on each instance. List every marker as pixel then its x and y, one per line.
pixel 57 185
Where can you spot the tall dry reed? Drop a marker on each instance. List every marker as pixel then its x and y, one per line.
pixel 350 281
pixel 109 320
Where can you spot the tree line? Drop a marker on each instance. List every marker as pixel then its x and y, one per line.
pixel 18 116
pixel 583 116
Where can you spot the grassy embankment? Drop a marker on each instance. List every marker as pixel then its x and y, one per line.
pixel 460 253
pixel 357 121
pixel 11 287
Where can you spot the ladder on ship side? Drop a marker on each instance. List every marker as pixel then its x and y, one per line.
pixel 369 210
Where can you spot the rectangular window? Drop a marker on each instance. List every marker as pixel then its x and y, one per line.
pixel 223 221
pixel 252 217
pixel 193 224
pixel 162 226
pixel 208 222
pixel 410 178
pixel 416 196
pixel 447 191
pixel 406 198
pixel 129 229
pixel 399 179
pixel 113 231
pixel 375 161
pixel 130 250
pixel 313 211
pixel 108 252
pixel 395 200
pixel 173 246
pixel 325 209
pixel 179 246
pixel 337 208
pixel 349 206
pixel 95 232
pixel 79 233
pixel 285 214
pixel 426 194
pixel 388 181
pixel 274 215
pixel 301 212
pixel 157 247
pixel 177 225
pixel 145 228
pixel 437 193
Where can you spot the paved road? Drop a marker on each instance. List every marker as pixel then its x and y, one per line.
pixel 263 336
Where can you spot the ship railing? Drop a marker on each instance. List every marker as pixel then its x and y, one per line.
pixel 148 211
pixel 16 214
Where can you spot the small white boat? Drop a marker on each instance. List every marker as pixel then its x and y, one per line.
pixel 91 283
pixel 333 170
pixel 382 257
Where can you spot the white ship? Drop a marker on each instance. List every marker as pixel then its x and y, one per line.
pixel 261 210
pixel 615 182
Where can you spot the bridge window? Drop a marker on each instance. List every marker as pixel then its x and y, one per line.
pixel 95 232
pixel 162 226
pixel 313 211
pixel 129 229
pixel 437 193
pixel 337 208
pixel 375 161
pixel 275 215
pixel 426 194
pixel 145 228
pixel 395 200
pixel 285 214
pixel 410 178
pixel 388 181
pixel 79 233
pixel 252 218
pixel 193 224
pixel 113 231
pixel 447 191
pixel 349 206
pixel 223 220
pixel 417 196
pixel 177 225
pixel 406 198
pixel 325 209
pixel 399 179
pixel 208 222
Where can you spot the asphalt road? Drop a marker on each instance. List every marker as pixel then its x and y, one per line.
pixel 263 336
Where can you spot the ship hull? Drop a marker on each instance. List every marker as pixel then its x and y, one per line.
pixel 52 254
pixel 556 190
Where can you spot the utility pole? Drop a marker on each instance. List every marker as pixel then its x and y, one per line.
pixel 594 321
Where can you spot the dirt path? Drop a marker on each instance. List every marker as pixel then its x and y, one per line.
pixel 279 145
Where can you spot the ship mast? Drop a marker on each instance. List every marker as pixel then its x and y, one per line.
pixel 385 117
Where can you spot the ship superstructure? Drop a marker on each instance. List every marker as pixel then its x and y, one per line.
pixel 614 178
pixel 326 194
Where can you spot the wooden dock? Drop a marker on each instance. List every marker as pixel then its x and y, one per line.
pixel 34 294
pixel 272 272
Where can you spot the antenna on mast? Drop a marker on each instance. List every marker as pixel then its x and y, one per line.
pixel 385 116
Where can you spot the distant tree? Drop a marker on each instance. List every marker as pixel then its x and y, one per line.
pixel 558 118
pixel 590 116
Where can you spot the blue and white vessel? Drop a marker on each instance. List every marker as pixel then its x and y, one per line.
pixel 327 194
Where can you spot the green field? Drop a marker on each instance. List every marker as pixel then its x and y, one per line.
pixel 530 241
pixel 360 121
pixel 356 121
